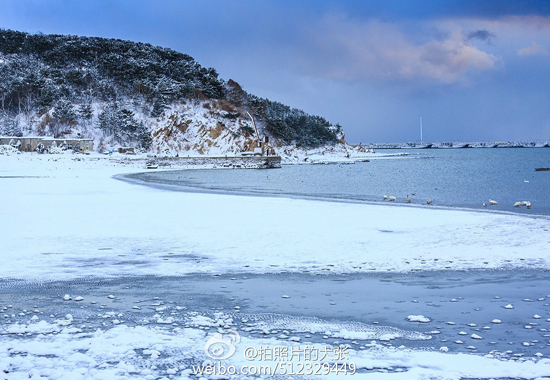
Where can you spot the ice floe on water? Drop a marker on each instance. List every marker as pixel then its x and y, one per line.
pixel 336 329
pixel 47 351
pixel 418 318
pixel 170 308
pixel 282 326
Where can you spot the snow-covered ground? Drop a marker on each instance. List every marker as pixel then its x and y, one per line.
pixel 66 217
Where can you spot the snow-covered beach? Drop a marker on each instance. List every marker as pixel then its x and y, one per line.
pixel 66 218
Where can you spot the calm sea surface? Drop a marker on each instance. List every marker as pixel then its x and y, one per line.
pixel 464 178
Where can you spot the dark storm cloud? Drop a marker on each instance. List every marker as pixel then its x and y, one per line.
pixel 481 34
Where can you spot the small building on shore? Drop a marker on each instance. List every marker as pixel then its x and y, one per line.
pixel 30 143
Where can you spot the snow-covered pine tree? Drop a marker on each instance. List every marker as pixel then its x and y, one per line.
pixel 85 112
pixel 9 126
pixel 64 112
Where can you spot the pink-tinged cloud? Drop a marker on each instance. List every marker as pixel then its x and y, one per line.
pixel 350 50
pixel 534 49
pixel 538 23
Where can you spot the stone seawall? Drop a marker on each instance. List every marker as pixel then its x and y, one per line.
pixel 247 162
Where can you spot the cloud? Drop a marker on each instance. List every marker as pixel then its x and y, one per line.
pixel 350 50
pixel 534 49
pixel 481 34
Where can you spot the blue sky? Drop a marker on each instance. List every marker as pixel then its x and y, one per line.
pixel 474 70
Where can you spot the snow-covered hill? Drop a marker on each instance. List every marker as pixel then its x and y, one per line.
pixel 123 93
pixel 188 128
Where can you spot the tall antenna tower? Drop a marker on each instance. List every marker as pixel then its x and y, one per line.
pixel 421 140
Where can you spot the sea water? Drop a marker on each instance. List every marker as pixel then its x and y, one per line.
pixel 462 178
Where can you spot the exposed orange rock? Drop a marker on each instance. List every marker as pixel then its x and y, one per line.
pixel 216 132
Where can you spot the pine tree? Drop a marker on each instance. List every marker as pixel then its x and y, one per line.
pixel 85 112
pixel 9 127
pixel 158 107
pixel 279 128
pixel 64 112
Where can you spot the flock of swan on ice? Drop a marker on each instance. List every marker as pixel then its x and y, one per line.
pixel 491 202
